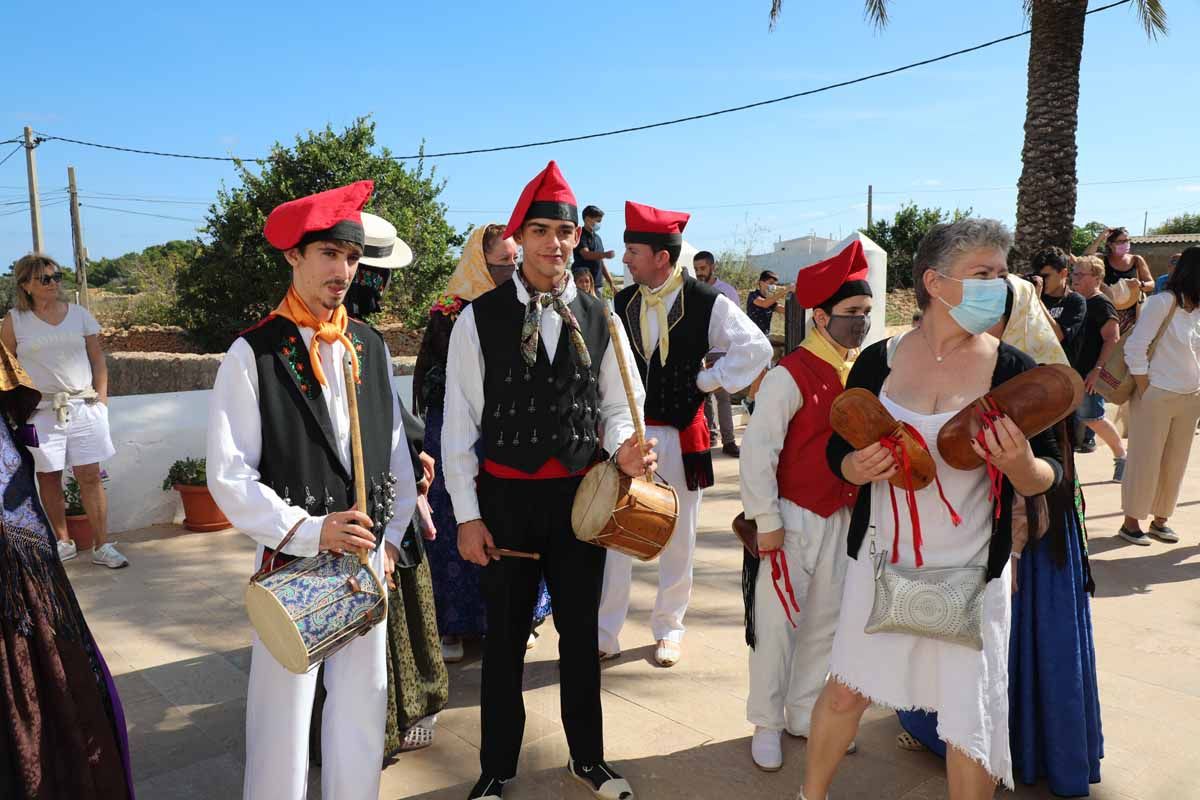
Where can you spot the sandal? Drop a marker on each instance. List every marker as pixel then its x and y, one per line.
pixel 906 741
pixel 417 737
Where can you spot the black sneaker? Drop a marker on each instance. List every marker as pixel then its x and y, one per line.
pixel 732 449
pixel 488 788
pixel 1134 537
pixel 602 780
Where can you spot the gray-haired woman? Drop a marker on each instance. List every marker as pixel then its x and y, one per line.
pixel 924 378
pixel 58 344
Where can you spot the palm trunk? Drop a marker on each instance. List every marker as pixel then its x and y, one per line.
pixel 1046 192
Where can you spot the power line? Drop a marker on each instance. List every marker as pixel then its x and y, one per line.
pixel 129 199
pixel 48 138
pixel 618 131
pixel 138 213
pixel 11 154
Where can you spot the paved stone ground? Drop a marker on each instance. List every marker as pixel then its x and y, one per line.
pixel 174 631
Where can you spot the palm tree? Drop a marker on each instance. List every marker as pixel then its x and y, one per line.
pixel 1046 190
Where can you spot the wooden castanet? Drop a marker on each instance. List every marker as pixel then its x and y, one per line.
pixel 859 418
pixel 1034 400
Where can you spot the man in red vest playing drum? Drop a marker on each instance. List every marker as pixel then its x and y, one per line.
pixel 794 588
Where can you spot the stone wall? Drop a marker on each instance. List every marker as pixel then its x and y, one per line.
pixel 172 339
pixel 159 373
pixel 146 339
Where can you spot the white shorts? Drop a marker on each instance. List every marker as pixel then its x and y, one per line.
pixel 84 440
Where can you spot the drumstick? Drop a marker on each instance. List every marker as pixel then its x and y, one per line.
pixel 504 552
pixel 356 451
pixel 634 411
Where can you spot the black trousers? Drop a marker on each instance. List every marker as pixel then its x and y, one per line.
pixel 535 516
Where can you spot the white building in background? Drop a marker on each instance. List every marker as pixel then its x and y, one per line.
pixel 783 259
pixel 791 256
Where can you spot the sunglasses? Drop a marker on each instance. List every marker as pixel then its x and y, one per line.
pixel 46 280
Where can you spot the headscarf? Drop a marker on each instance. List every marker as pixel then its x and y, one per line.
pixel 294 308
pixel 1029 329
pixel 471 277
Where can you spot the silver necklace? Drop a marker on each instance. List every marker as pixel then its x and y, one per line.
pixel 941 358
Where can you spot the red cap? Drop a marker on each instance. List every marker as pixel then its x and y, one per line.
pixel 547 196
pixel 334 214
pixel 653 226
pixel 820 282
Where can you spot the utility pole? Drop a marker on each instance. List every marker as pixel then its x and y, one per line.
pixel 870 201
pixel 77 240
pixel 1145 221
pixel 35 208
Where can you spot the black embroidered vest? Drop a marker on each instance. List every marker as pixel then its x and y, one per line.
pixel 671 392
pixel 300 459
pixel 549 410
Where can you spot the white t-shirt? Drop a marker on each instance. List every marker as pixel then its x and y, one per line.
pixel 55 356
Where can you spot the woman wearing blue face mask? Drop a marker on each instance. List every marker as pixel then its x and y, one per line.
pixel 923 378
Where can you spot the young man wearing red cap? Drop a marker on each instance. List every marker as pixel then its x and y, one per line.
pixel 673 321
pixel 801 508
pixel 533 377
pixel 279 466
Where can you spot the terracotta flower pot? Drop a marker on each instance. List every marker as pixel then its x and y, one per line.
pixel 200 512
pixel 79 529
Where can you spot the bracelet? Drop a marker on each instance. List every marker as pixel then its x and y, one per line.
pixel 1015 555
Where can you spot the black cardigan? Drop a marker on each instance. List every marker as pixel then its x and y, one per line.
pixel 869 372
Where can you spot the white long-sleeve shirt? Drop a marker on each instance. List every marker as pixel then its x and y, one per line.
pixel 1176 363
pixel 235 449
pixel 777 401
pixel 747 351
pixel 464 397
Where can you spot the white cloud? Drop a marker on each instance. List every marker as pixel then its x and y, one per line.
pixel 1188 187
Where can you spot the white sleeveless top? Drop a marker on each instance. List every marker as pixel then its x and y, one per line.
pixel 55 356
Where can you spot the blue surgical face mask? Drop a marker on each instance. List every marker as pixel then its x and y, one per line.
pixel 982 303
pixel 595 226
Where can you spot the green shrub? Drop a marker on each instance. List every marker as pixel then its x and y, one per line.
pixel 186 472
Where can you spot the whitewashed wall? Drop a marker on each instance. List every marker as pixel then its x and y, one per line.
pixel 150 432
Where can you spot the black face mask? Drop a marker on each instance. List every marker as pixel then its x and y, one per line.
pixel 849 330
pixel 365 295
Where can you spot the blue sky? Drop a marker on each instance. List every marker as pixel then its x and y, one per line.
pixel 224 77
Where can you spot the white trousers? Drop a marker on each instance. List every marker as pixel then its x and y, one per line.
pixel 674 563
pixel 279 706
pixel 788 666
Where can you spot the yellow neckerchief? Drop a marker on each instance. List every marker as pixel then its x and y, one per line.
pixel 820 347
pixel 471 277
pixel 295 309
pixel 653 298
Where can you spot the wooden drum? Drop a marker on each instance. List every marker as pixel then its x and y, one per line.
pixel 634 516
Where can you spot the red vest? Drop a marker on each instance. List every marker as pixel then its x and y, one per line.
pixel 804 474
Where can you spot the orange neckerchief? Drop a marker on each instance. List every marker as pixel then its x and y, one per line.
pixel 295 309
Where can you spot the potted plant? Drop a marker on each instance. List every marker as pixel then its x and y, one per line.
pixel 200 513
pixel 78 527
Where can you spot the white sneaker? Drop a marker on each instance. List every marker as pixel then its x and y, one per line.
pixel 67 550
pixel 108 556
pixel 452 649
pixel 766 750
